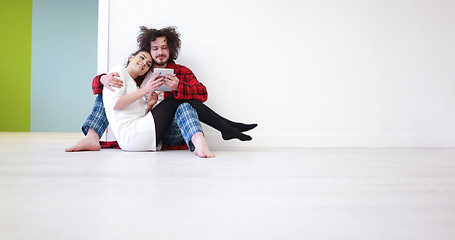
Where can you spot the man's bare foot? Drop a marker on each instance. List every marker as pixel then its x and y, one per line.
pixel 201 149
pixel 91 142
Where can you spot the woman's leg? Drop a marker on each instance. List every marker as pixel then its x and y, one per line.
pixel 242 127
pixel 211 118
pixel 163 114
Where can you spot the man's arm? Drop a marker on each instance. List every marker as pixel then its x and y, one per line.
pixel 97 86
pixel 189 87
pixel 110 80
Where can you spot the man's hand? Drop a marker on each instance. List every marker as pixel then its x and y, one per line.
pixel 172 82
pixel 110 80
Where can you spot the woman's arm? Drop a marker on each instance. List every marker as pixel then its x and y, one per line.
pixel 129 98
pixel 154 83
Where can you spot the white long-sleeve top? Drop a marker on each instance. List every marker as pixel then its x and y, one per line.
pixel 133 126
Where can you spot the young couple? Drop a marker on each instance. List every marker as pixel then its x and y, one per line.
pixel 139 121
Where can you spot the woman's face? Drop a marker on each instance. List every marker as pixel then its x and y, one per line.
pixel 141 63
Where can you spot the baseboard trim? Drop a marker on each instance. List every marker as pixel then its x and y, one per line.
pixel 304 141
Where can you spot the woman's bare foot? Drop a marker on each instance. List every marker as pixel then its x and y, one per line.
pixel 201 148
pixel 91 142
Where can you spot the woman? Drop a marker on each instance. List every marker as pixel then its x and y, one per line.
pixel 136 125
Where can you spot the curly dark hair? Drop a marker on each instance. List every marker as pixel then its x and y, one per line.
pixel 172 36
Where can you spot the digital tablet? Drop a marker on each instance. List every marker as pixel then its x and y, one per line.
pixel 163 71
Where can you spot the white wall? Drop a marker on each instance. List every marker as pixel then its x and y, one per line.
pixel 313 73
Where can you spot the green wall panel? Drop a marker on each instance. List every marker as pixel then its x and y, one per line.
pixel 15 61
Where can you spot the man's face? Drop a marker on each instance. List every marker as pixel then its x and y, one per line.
pixel 159 51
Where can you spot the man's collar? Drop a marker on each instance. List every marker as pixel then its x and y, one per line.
pixel 171 64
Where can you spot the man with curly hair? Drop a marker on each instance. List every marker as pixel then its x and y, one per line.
pixel 163 45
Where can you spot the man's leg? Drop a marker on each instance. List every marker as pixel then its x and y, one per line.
pixel 93 128
pixel 186 127
pixel 97 120
pixel 173 136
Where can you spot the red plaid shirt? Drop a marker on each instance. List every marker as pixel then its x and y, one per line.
pixel 189 87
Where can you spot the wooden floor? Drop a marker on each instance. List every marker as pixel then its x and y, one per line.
pixel 46 193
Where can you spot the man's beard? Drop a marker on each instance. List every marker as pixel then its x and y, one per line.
pixel 160 64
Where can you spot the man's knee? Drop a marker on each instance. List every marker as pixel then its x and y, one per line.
pixel 185 107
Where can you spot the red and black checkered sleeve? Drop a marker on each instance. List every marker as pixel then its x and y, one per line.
pixel 97 86
pixel 189 86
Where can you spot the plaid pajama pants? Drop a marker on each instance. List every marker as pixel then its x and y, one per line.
pixel 185 123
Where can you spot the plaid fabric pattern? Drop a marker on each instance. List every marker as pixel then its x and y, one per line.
pixel 186 120
pixel 173 136
pixel 185 125
pixel 97 86
pixel 189 86
pixel 97 120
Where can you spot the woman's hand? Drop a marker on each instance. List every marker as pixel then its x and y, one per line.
pixel 110 81
pixel 172 82
pixel 154 83
pixel 152 99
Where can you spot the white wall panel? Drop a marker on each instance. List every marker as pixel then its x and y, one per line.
pixel 313 73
